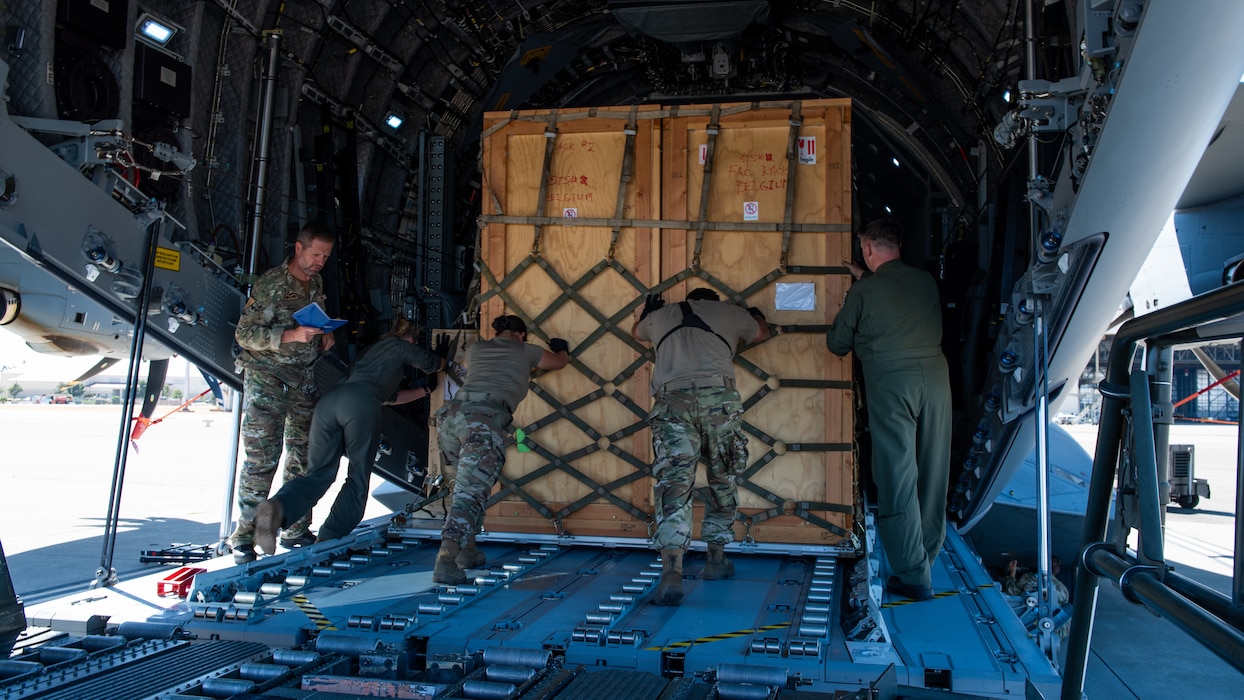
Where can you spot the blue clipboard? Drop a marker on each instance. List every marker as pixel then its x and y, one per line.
pixel 313 315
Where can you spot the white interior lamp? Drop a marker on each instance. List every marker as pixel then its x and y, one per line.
pixel 393 120
pixel 154 31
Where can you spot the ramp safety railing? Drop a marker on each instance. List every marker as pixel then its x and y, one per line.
pixel 1131 452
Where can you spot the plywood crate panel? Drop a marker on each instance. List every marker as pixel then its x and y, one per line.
pixel 557 249
pixel 800 422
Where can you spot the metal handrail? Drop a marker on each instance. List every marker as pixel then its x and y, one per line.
pixel 1145 582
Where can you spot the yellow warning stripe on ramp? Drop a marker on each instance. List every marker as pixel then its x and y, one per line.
pixel 321 622
pixel 718 637
pixel 943 594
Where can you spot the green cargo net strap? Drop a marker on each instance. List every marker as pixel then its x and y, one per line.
pixel 792 161
pixel 801 509
pixel 706 186
pixel 561 464
pixel 550 143
pixel 628 162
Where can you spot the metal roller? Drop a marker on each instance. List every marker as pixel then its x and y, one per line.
pixel 294 657
pixel 13 669
pixel 815 619
pixel 247 598
pixel 813 630
pixel 484 690
pixel 56 655
pixel 754 675
pixel 360 559
pixel 321 571
pixel 467 590
pixel 449 599
pixel 805 648
pixel 431 608
pixel 517 675
pixel 296 581
pixel 623 598
pixel 225 687
pixel 615 608
pixel 633 588
pixel 262 672
pixel 510 656
pixel 99 642
pixel 346 645
pixel 275 590
pixel 599 618
pixel 528 560
pixel 342 565
pixel 485 581
pixel 379 552
pixel 820 609
pixel 148 630
pixel 741 691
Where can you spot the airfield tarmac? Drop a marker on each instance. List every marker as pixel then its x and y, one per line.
pixel 58 467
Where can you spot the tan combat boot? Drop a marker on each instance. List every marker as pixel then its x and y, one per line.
pixel 669 589
pixel 470 557
pixel 718 566
pixel 447 570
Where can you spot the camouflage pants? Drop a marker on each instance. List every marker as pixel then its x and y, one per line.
pixel 688 426
pixel 275 416
pixel 471 437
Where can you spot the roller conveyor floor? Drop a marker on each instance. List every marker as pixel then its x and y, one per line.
pixel 544 618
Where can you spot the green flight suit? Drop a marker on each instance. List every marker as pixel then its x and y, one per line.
pixel 893 321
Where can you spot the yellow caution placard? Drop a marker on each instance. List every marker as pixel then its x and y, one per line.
pixel 168 259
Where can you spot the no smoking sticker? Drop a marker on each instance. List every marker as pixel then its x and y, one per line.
pixel 751 211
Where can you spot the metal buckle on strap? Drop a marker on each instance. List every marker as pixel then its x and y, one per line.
pixel 699 383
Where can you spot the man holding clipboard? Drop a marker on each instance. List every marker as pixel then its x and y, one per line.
pixel 280 341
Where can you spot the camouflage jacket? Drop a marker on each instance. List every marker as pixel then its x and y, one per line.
pixel 269 312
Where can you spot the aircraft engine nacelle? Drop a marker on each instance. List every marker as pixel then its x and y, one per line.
pixel 10 306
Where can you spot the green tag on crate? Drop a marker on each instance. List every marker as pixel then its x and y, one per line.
pixel 520 436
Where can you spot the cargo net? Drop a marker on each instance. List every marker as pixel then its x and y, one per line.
pixel 617 326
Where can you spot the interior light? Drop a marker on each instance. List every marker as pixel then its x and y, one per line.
pixel 155 31
pixel 1006 96
pixel 894 161
pixel 888 210
pixel 393 120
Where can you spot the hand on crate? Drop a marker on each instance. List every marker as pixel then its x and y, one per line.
pixel 559 345
pixel 651 303
pixel 444 347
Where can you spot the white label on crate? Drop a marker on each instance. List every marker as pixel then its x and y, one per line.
pixel 807 150
pixel 751 211
pixel 570 213
pixel 168 76
pixel 795 296
pixel 703 153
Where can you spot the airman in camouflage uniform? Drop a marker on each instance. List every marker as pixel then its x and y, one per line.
pixel 277 355
pixel 471 432
pixel 696 414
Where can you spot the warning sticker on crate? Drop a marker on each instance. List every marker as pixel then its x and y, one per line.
pixel 807 150
pixel 751 211
pixel 570 213
pixel 703 153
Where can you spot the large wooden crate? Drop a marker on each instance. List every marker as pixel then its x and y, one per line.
pixel 586 211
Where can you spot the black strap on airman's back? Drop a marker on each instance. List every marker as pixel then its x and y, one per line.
pixel 690 320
